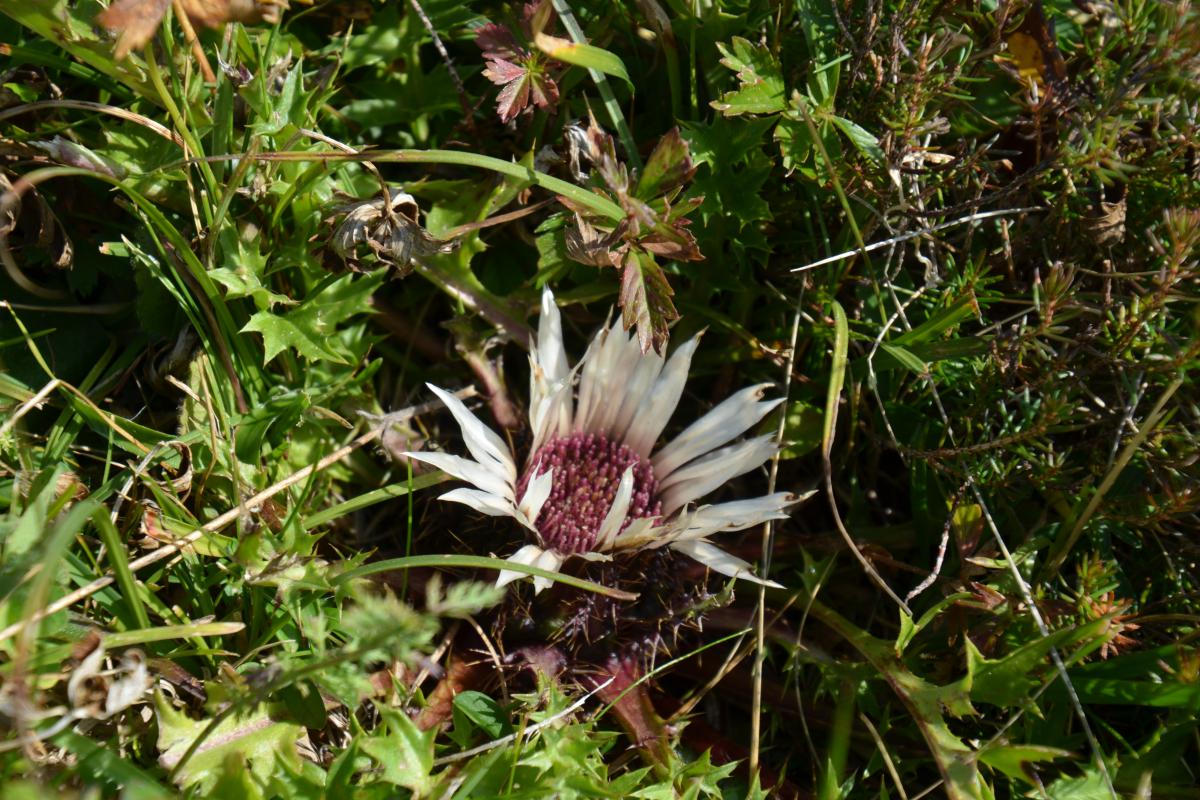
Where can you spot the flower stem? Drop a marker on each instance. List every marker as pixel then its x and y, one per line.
pixel 584 197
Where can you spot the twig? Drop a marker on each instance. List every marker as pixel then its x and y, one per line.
pixel 883 753
pixel 189 34
pixel 768 547
pixel 468 112
pixel 941 554
pixel 87 105
pixel 913 235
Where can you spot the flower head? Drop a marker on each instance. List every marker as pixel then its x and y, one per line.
pixel 593 483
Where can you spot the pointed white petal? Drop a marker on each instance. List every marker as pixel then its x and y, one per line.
pixel 633 394
pixel 481 501
pixel 640 533
pixel 488 478
pixel 718 560
pixel 551 353
pixel 608 363
pixel 548 560
pixel 656 410
pixel 549 370
pixel 528 554
pixel 700 477
pixel 551 415
pixel 483 443
pixel 723 424
pixel 615 517
pixel 589 366
pixel 736 516
pixel 536 494
pixel 615 384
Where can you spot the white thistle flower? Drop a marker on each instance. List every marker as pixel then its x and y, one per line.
pixel 593 484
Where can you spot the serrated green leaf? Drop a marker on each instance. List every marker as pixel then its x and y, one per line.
pixel 910 627
pixel 405 752
pixel 281 333
pixel 253 739
pixel 1007 681
pixel 1090 786
pixel 1015 760
pixel 241 284
pixel 309 328
pixel 242 275
pixel 760 79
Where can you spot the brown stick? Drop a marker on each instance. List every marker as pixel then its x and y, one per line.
pixel 189 33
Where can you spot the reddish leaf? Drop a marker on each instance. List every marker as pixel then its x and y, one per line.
pixel 646 300
pixel 524 75
pixel 497 41
pixel 668 168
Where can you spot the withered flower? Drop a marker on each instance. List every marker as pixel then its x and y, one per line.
pixel 396 238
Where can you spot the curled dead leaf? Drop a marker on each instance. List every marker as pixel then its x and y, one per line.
pixel 97 693
pixel 180 478
pixel 38 225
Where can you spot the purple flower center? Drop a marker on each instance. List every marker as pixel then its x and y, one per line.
pixel 587 471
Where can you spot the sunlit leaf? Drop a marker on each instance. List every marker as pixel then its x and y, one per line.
pixel 582 55
pixel 405 753
pixel 252 738
pixel 760 79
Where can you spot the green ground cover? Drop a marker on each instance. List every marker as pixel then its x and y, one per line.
pixel 239 239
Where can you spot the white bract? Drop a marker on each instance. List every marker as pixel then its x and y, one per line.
pixel 592 484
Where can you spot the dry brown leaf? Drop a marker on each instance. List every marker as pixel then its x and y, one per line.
pixel 135 21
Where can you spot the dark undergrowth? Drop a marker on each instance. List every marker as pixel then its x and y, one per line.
pixel 961 239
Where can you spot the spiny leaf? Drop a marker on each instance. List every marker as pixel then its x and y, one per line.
pixel 1016 760
pixel 308 329
pixel 252 738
